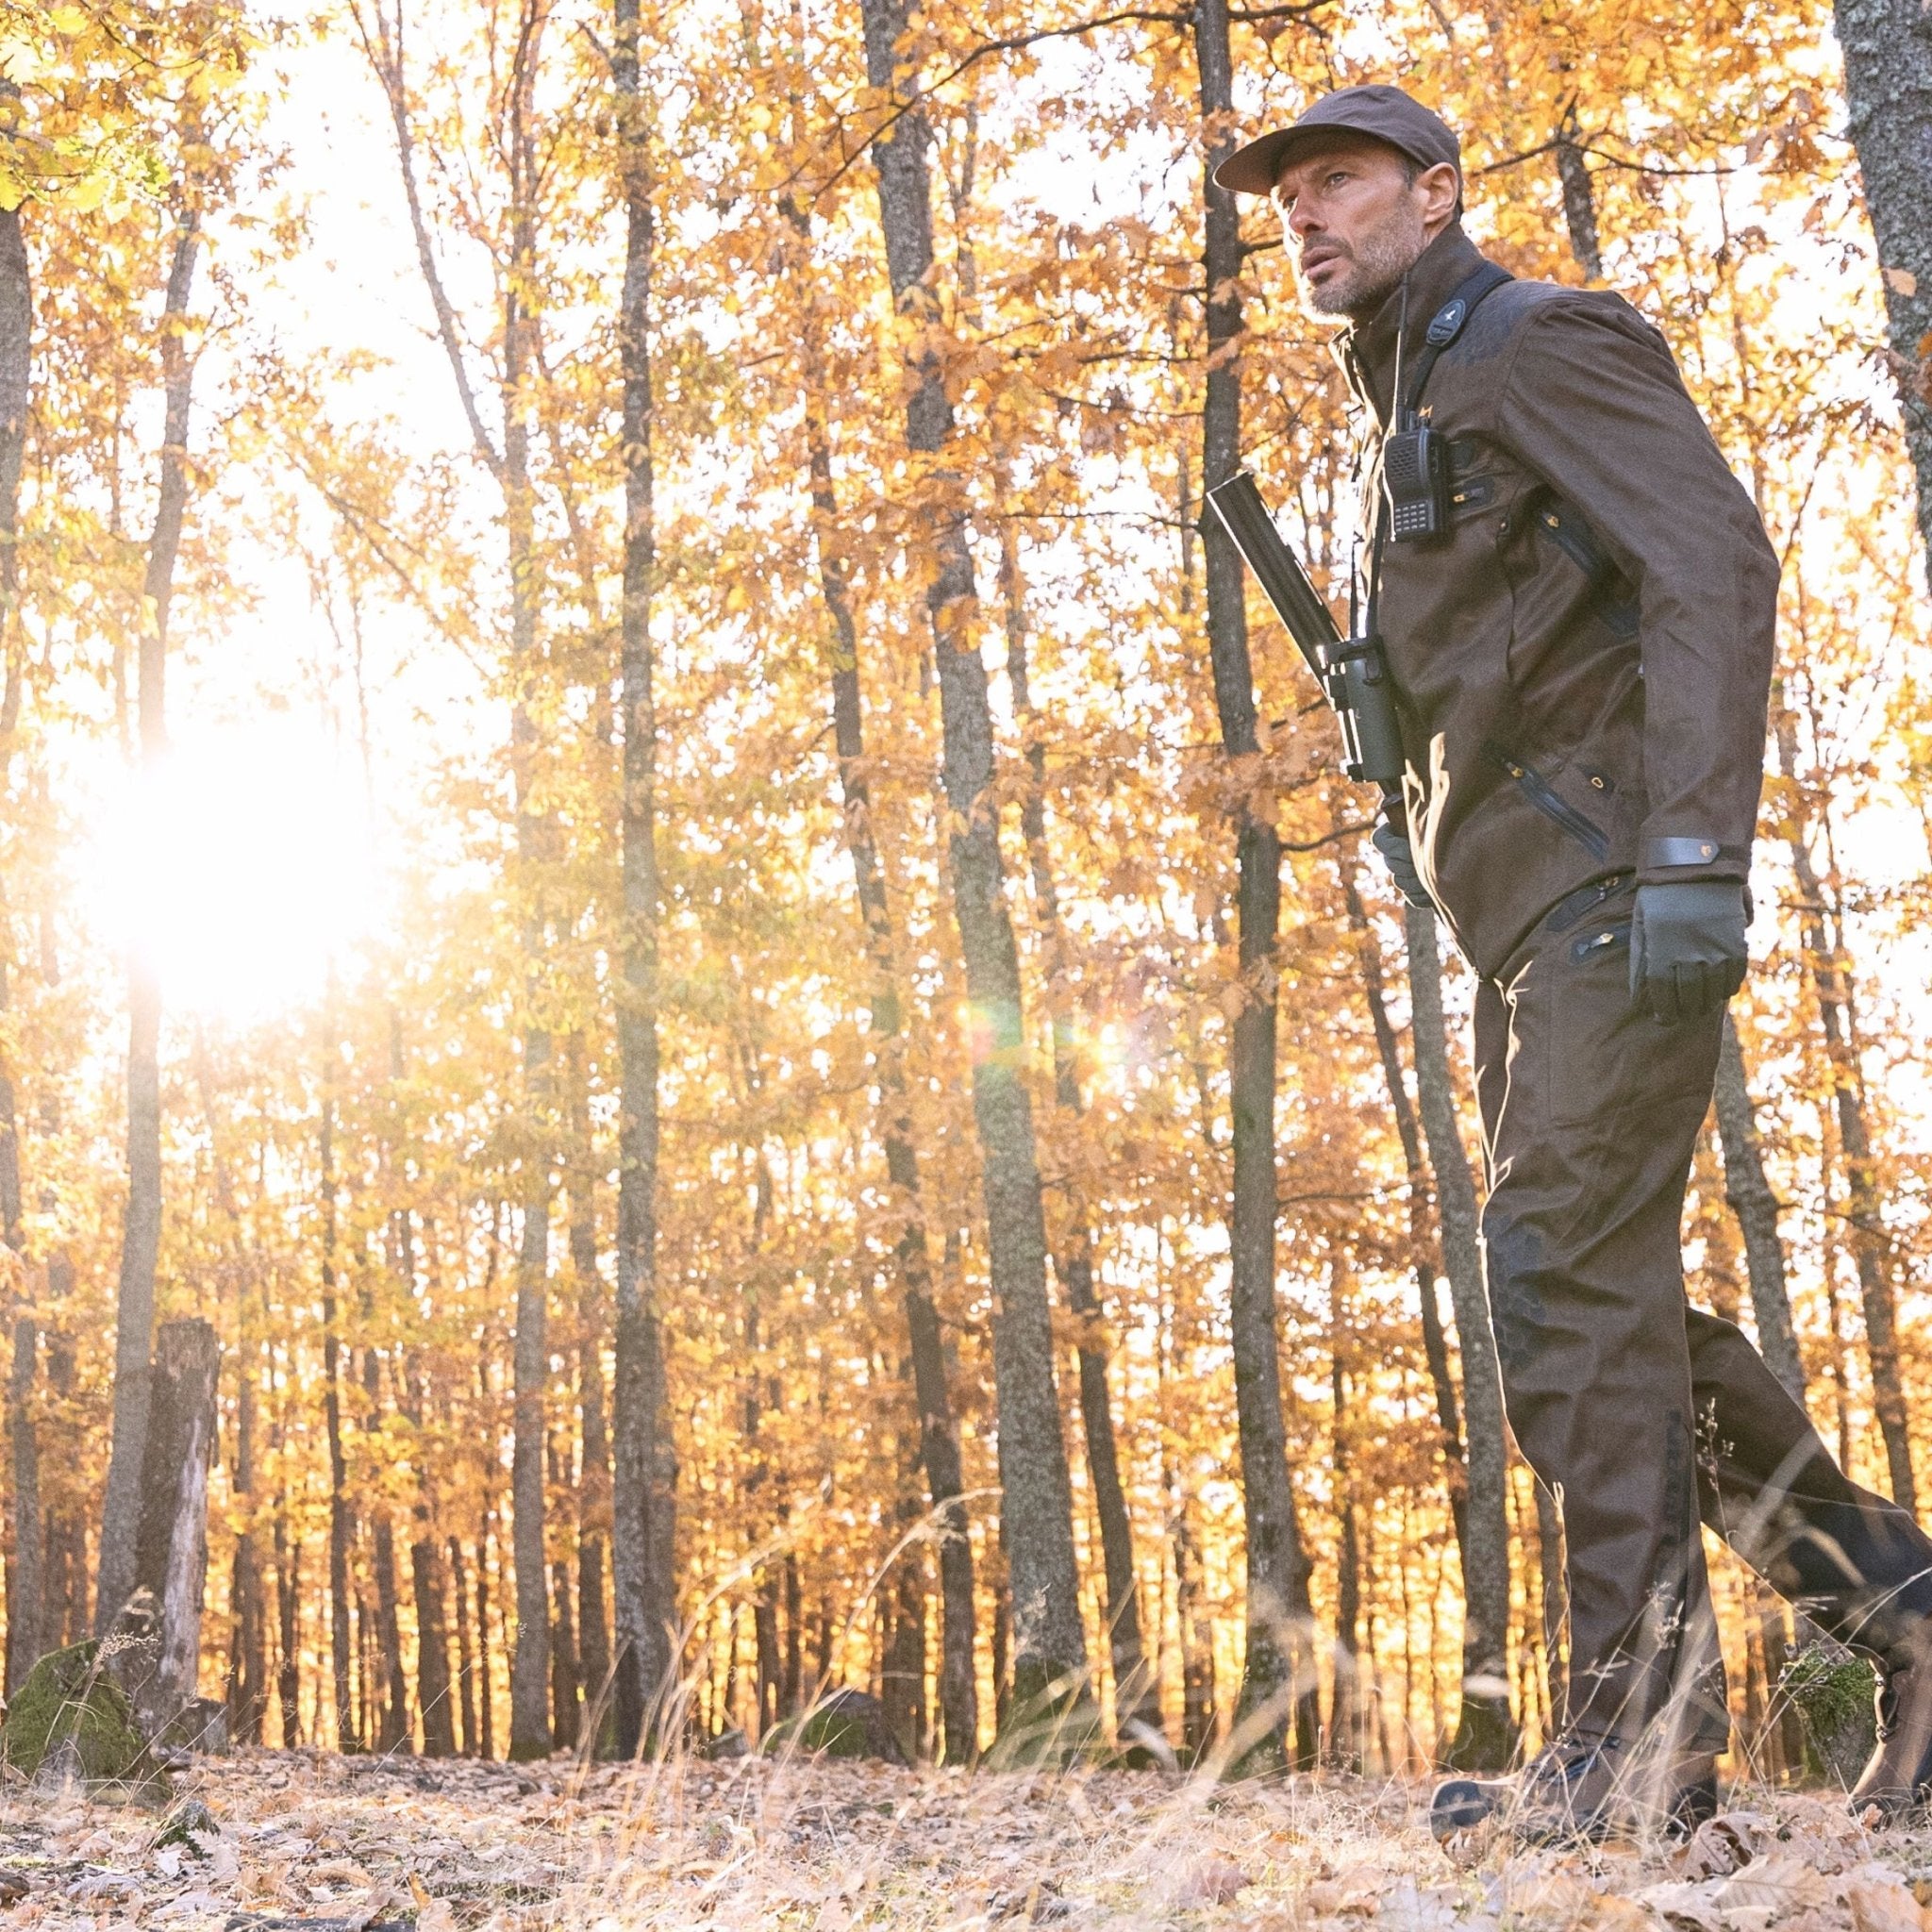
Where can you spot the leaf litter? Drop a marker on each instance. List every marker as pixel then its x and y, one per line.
pixel 310 1843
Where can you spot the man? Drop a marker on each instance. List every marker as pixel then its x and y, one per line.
pixel 1578 612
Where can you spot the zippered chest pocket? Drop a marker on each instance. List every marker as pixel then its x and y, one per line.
pixel 1551 803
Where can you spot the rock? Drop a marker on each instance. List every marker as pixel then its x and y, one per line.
pixel 846 1724
pixel 200 1724
pixel 1833 1690
pixel 189 1825
pixel 725 1745
pixel 71 1719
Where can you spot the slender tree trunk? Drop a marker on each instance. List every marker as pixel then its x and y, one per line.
pixel 1551 1560
pixel 1424 1247
pixel 466 1666
pixel 392 1730
pixel 1050 1648
pixel 1871 1251
pixel 593 1480
pixel 645 1464
pixel 1484 1733
pixel 486 1686
pixel 529 1700
pixel 1137 1696
pixel 247 1609
pixel 287 1648
pixel 141 1229
pixel 1579 197
pixel 1748 1190
pixel 1888 55
pixel 1277 1677
pixel 341 1524
pixel 938 1433
pixel 25 1568
pixel 1345 1712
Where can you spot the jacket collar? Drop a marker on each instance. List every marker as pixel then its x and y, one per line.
pixel 1367 349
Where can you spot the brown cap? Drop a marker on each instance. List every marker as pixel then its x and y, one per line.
pixel 1386 112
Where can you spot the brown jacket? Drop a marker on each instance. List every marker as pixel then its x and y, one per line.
pixel 1583 661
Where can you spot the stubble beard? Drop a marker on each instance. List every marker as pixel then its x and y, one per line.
pixel 1377 264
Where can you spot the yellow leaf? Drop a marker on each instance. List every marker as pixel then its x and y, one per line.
pixel 1900 282
pixel 67 19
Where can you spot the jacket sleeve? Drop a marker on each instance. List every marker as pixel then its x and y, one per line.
pixel 1593 403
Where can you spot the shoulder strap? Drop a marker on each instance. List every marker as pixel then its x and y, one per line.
pixel 1447 323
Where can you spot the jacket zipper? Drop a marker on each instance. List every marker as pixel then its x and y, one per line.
pixel 1553 805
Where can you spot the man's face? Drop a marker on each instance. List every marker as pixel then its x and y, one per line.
pixel 1354 223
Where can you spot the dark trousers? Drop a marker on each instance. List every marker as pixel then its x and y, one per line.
pixel 1645 1415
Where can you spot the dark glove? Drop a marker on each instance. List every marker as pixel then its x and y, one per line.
pixel 1400 861
pixel 1687 950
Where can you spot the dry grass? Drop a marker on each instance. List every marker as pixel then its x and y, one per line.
pixel 335 1845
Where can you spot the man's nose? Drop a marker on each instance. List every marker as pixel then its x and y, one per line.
pixel 1300 220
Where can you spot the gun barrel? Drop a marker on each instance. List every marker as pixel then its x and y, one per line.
pixel 1284 583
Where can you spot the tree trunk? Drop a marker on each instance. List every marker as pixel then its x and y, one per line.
pixel 1551 1557
pixel 1137 1695
pixel 247 1609
pixel 1050 1648
pixel 288 1610
pixel 1579 198
pixel 529 1696
pixel 466 1665
pixel 171 1557
pixel 1344 1709
pixel 392 1730
pixel 25 1569
pixel 938 1433
pixel 1484 1730
pixel 1748 1190
pixel 645 1464
pixel 142 1229
pixel 1277 1677
pixel 1821 925
pixel 593 1480
pixel 1888 55
pixel 1485 1735
pixel 341 1524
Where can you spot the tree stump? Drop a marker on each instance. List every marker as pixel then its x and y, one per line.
pixel 170 1555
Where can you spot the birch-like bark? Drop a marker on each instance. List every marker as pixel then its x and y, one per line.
pixel 1049 1645
pixel 171 1553
pixel 1888 55
pixel 140 1243
pixel 1484 1728
pixel 1278 1680
pixel 939 1436
pixel 1871 1251
pixel 645 1471
pixel 1748 1189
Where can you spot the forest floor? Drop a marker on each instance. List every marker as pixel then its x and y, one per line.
pixel 311 1842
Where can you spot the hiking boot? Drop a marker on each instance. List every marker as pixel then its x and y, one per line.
pixel 1898 1775
pixel 1581 1791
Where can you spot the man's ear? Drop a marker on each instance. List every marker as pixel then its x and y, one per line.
pixel 1440 188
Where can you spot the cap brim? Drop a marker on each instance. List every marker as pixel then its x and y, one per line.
pixel 1256 169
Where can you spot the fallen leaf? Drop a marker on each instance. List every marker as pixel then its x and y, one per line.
pixel 1212 1882
pixel 1900 282
pixel 433 1914
pixel 1882 1902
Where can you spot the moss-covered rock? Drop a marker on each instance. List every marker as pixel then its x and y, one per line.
pixel 1833 1690
pixel 71 1714
pixel 846 1724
